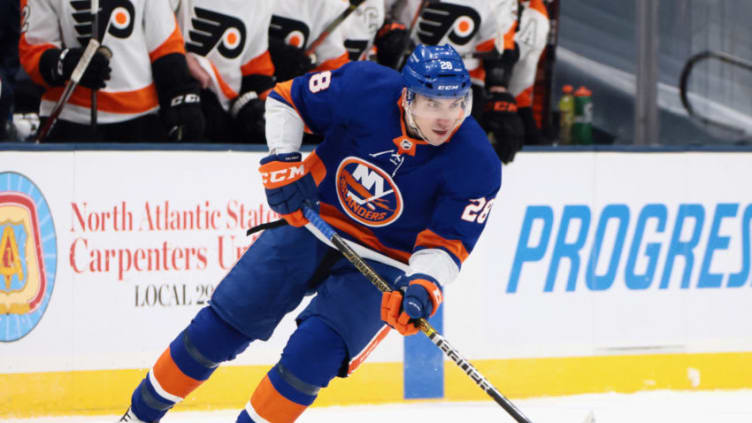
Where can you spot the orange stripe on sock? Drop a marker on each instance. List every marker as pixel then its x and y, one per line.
pixel 272 406
pixel 171 378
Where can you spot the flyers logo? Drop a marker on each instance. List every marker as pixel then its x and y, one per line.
pixel 212 29
pixel 118 13
pixel 28 255
pixel 291 31
pixel 458 23
pixel 367 193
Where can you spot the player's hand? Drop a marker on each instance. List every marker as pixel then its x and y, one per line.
pixel 248 111
pixel 289 61
pixel 421 298
pixel 96 74
pixel 183 116
pixel 502 120
pixel 288 186
pixel 390 43
pixel 197 72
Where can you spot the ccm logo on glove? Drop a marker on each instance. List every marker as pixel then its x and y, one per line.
pixel 276 174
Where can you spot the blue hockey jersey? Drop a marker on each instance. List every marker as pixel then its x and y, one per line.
pixel 377 185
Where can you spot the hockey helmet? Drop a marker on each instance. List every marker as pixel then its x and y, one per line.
pixel 436 71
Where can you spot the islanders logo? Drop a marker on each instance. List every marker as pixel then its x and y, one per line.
pixel 28 255
pixel 367 193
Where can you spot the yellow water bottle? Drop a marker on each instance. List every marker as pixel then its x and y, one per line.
pixel 566 114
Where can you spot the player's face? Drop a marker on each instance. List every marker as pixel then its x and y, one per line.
pixel 437 118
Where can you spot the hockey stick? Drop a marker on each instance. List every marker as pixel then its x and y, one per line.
pixel 411 32
pixel 333 25
pixel 71 85
pixel 319 224
pixel 94 35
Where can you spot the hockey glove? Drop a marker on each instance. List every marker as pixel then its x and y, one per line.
pixel 183 117
pixel 56 66
pixel 422 297
pixel 179 98
pixel 501 119
pixel 289 61
pixel 248 112
pixel 288 186
pixel 391 41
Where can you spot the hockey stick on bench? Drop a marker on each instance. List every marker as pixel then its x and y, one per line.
pixel 319 224
pixel 332 26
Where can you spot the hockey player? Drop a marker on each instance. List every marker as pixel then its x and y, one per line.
pixel 146 75
pixel 530 41
pixel 295 25
pixel 482 31
pixel 360 28
pixel 403 171
pixel 227 45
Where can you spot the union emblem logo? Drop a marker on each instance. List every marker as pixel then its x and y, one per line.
pixel 367 193
pixel 28 255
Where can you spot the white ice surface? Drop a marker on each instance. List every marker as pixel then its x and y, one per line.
pixel 643 407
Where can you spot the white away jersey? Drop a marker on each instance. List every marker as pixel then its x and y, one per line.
pixel 138 33
pixel 300 22
pixel 467 25
pixel 531 39
pixel 229 38
pixel 361 27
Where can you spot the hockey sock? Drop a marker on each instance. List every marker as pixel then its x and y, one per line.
pixel 313 356
pixel 189 360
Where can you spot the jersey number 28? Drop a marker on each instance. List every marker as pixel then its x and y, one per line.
pixel 477 210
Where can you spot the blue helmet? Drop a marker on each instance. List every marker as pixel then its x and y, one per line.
pixel 436 71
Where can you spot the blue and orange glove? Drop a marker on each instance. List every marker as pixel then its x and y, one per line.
pixel 288 186
pixel 422 297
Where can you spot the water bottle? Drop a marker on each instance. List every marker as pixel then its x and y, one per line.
pixel 582 129
pixel 566 115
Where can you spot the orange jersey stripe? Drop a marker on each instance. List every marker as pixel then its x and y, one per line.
pixel 284 90
pixel 315 166
pixel 539 6
pixel 29 55
pixel 509 37
pixel 126 102
pixel 525 98
pixel 363 355
pixel 430 239
pixel 478 74
pixel 259 65
pixel 171 378
pixel 173 44
pixel 332 64
pixel 272 406
pixel 364 236
pixel 226 89
pixel 485 46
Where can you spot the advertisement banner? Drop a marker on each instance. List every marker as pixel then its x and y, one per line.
pixel 105 256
